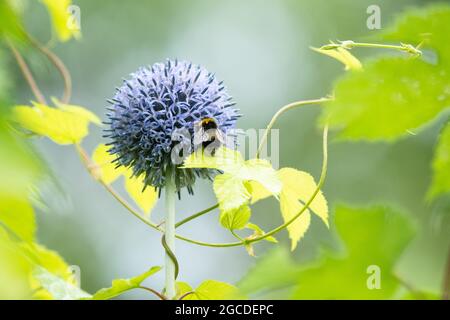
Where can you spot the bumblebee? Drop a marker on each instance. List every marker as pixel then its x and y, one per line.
pixel 208 135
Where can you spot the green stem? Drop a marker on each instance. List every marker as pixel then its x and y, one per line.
pixel 169 233
pixel 313 196
pixel 280 112
pixel 156 293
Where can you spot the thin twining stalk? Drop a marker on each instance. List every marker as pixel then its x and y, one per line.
pixel 60 66
pixel 287 107
pixel 26 73
pixel 89 166
pixel 349 44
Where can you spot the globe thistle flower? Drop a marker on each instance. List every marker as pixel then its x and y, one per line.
pixel 155 105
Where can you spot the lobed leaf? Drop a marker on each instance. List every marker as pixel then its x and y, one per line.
pixel 64 125
pixel 342 55
pixel 106 170
pixel 235 219
pixel 145 199
pixel 375 236
pixel 58 287
pixel 215 290
pixel 17 215
pixel 231 187
pixel 392 97
pixel 62 19
pixel 297 188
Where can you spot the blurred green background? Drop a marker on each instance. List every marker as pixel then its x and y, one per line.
pixel 261 50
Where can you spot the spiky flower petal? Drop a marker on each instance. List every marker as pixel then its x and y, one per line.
pixel 158 107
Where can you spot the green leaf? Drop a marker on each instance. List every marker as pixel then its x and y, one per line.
pixel 18 216
pixel 273 271
pixel 215 290
pixel 183 288
pixel 428 26
pixel 394 96
pixel 19 167
pixel 441 165
pixel 106 170
pixel 421 295
pixel 64 125
pixel 375 236
pixel 10 21
pixel 230 192
pixel 145 199
pixel 58 10
pixel 259 232
pixel 58 287
pixel 390 98
pixel 231 188
pixel 342 55
pixel 372 237
pixel 235 219
pixel 119 286
pixel 14 270
pixel 52 262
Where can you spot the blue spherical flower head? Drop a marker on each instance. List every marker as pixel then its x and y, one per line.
pixel 155 109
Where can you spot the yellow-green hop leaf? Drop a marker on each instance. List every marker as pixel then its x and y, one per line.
pixel 215 290
pixel 373 236
pixel 297 188
pixel 52 263
pixel 235 219
pixel 259 232
pixel 183 288
pixel 64 125
pixel 441 165
pixel 14 270
pixel 427 26
pixel 290 207
pixel 106 170
pixel 58 287
pixel 145 199
pixel 79 110
pixel 18 216
pixel 342 55
pixel 302 186
pixel 120 286
pixel 230 192
pixel 224 159
pixel 389 99
pixel 231 188
pixel 62 20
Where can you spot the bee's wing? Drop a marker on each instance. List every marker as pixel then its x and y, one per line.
pixel 220 136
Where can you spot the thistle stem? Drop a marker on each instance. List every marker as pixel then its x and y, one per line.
pixel 169 233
